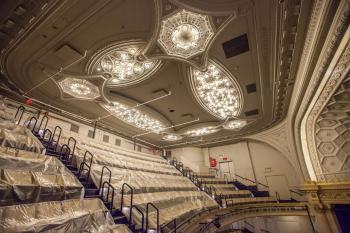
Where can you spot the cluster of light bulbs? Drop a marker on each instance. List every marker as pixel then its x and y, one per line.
pixel 235 124
pixel 185 34
pixel 217 91
pixel 171 137
pixel 123 66
pixel 201 131
pixel 79 88
pixel 134 117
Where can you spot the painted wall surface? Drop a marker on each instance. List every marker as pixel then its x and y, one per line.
pixel 269 162
pixel 191 157
pixel 239 155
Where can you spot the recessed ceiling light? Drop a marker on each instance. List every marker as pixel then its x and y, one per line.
pixel 185 34
pixel 79 88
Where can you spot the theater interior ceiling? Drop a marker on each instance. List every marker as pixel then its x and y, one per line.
pixel 166 72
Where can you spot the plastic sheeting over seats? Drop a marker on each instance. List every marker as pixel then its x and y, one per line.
pixel 153 180
pixel 70 216
pixel 27 177
pixel 18 136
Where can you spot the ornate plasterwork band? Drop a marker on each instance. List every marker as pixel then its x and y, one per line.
pixel 336 33
pixel 338 74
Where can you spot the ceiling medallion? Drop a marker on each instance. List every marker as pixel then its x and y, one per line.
pixel 79 88
pixel 235 124
pixel 201 131
pixel 171 137
pixel 134 117
pixel 185 34
pixel 121 65
pixel 217 91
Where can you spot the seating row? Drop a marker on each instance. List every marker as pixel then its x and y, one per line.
pixel 70 216
pixel 27 177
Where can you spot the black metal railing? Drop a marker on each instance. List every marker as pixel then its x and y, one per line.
pixel 32 124
pixel 56 133
pixel 102 172
pixel 147 215
pixel 86 166
pixel 20 111
pixel 41 124
pixel 64 153
pixel 105 198
pixel 131 197
pixel 142 217
pixel 46 138
pixel 72 143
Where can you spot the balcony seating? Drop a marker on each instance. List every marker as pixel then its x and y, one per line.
pixel 70 216
pixel 27 177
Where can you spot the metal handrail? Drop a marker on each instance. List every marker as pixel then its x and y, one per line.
pixel 41 123
pixel 84 163
pixel 65 153
pixel 30 122
pixel 157 210
pixel 131 197
pixel 140 212
pixel 58 137
pixel 44 134
pixel 226 179
pixel 264 185
pixel 74 143
pixel 107 196
pixel 19 112
pixel 110 175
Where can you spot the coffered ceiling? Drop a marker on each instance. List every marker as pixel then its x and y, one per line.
pixel 168 72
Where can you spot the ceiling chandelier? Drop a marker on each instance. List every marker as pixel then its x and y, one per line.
pixel 235 124
pixel 134 117
pixel 122 66
pixel 185 34
pixel 172 137
pixel 79 88
pixel 201 131
pixel 217 91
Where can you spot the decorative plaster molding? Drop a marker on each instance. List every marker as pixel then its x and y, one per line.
pixel 338 74
pixel 336 32
pixel 278 137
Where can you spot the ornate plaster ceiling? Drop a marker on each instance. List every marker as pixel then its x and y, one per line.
pixel 164 71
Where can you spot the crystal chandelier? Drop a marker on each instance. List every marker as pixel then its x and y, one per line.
pixel 235 124
pixel 171 137
pixel 217 91
pixel 122 65
pixel 201 131
pixel 185 34
pixel 134 117
pixel 79 88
